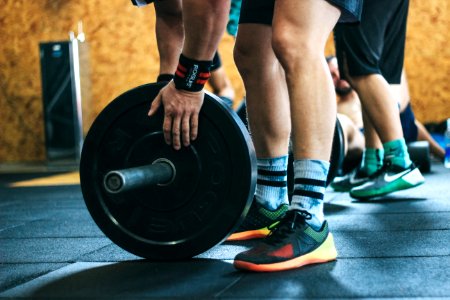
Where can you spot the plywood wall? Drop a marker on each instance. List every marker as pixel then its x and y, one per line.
pixel 427 59
pixel 123 55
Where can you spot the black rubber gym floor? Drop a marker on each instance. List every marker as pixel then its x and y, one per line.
pixel 397 247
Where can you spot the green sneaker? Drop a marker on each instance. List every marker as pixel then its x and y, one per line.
pixel 390 178
pixel 345 183
pixel 258 222
pixel 291 244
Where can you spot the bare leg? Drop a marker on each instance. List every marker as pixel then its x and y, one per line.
pixel 268 113
pixel 267 99
pixel 300 31
pixel 380 106
pixel 405 97
pixel 370 133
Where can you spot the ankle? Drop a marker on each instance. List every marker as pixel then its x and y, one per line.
pixel 271 189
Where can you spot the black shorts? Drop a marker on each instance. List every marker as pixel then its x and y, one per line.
pixel 261 11
pixel 141 2
pixel 377 44
pixel 410 131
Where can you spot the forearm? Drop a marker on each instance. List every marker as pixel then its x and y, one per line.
pixel 204 25
pixel 169 34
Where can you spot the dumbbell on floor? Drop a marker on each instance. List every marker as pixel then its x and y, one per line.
pixel 419 153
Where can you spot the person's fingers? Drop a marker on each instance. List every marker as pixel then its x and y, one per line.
pixel 155 105
pixel 194 126
pixel 167 129
pixel 185 131
pixel 180 124
pixel 176 132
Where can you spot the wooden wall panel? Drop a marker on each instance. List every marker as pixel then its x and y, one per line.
pixel 427 59
pixel 123 54
pixel 120 38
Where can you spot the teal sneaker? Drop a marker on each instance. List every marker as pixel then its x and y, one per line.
pixel 258 222
pixel 291 244
pixel 353 179
pixel 390 178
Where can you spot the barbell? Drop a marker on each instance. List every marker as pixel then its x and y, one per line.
pixel 160 203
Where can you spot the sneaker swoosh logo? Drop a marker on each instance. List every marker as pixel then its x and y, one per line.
pixel 354 180
pixel 388 178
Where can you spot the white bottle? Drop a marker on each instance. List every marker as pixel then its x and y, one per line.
pixel 447 145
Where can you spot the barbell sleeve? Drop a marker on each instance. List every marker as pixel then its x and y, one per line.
pixel 158 173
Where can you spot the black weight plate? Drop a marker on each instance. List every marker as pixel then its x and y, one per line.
pixel 337 152
pixel 212 192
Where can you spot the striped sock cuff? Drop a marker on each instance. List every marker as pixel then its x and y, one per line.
pixel 309 187
pixel 312 188
pixel 272 178
pixel 271 187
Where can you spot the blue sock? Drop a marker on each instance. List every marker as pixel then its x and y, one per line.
pixel 271 187
pixel 372 160
pixel 310 178
pixel 396 152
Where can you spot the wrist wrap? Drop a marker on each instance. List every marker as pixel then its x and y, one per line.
pixel 191 75
pixel 164 77
pixel 216 62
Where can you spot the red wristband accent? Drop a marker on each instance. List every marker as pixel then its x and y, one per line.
pixel 192 75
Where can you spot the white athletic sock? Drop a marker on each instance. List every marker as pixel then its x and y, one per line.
pixel 271 187
pixel 310 178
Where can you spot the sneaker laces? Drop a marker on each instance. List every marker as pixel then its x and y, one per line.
pixel 292 220
pixel 387 163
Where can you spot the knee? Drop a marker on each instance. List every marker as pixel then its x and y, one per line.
pixel 292 53
pixel 244 59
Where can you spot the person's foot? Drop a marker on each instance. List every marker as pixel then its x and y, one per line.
pixel 345 183
pixel 258 222
pixel 291 244
pixel 390 178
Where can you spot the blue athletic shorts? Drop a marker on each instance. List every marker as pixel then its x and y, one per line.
pixel 409 127
pixel 141 2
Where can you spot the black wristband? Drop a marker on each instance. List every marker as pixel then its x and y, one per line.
pixel 164 77
pixel 192 75
pixel 217 62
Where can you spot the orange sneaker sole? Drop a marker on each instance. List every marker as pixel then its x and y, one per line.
pixel 249 235
pixel 325 253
